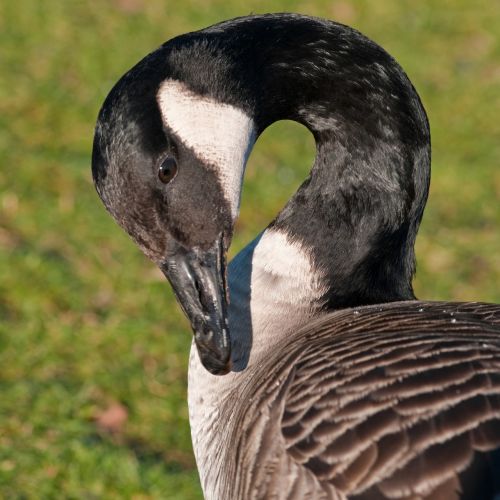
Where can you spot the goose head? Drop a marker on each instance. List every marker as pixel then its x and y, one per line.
pixel 167 163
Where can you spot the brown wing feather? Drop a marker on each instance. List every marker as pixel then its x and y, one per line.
pixel 399 401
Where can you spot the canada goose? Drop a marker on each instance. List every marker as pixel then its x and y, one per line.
pixel 336 382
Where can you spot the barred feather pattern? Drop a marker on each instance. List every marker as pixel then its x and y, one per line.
pixel 400 401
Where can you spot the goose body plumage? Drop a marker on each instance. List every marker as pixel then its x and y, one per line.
pixel 322 377
pixel 377 402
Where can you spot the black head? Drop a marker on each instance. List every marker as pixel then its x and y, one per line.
pixel 132 145
pixel 170 197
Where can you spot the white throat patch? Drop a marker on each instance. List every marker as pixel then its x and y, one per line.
pixel 220 135
pixel 285 286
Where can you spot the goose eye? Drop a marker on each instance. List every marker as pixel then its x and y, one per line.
pixel 167 170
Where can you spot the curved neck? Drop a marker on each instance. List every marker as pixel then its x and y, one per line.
pixel 360 209
pixel 361 206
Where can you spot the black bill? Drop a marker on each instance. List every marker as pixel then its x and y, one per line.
pixel 198 279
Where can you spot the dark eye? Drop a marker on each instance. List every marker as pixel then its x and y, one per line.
pixel 167 170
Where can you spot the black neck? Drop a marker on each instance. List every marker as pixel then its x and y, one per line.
pixel 360 209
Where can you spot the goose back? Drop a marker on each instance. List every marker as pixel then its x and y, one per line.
pixel 395 401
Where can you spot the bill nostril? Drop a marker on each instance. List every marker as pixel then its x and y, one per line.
pixel 199 291
pixel 197 287
pixel 205 301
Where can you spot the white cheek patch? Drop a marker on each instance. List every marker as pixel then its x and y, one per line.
pixel 220 135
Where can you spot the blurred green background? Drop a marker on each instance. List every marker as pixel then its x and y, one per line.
pixel 93 350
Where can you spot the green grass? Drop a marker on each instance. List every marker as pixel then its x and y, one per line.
pixel 87 323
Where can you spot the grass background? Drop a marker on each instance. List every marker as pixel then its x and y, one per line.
pixel 93 350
